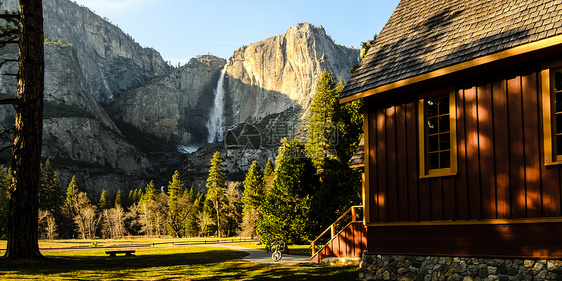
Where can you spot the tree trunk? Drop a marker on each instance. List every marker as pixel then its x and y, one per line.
pixel 26 161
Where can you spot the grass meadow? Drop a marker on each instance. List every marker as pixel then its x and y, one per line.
pixel 158 259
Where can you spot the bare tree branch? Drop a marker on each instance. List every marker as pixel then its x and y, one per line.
pixel 10 16
pixel 7 61
pixel 9 101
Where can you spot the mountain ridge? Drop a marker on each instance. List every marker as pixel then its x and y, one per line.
pixel 119 113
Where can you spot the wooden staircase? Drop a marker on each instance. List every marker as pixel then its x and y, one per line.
pixel 349 242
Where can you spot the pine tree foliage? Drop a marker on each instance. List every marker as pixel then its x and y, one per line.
pixel 254 192
pixel 286 210
pixel 179 205
pixel 118 199
pixel 216 188
pixel 105 202
pixel 321 130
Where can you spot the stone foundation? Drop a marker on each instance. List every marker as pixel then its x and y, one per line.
pixel 428 268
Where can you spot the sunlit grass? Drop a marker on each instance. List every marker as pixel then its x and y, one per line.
pixel 169 262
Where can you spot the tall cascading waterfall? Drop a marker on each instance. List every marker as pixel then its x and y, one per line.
pixel 216 118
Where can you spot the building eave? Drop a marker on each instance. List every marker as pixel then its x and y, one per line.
pixel 555 41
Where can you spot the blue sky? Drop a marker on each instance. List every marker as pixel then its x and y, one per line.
pixel 182 29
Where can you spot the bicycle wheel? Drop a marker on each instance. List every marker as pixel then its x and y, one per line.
pixel 283 247
pixel 276 256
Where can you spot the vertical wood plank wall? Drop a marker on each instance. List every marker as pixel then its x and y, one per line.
pixel 501 171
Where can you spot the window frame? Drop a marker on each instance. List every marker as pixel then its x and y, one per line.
pixel 548 96
pixel 425 172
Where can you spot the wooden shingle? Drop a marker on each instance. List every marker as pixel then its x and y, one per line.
pixel 424 36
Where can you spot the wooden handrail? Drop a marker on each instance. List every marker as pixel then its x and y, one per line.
pixel 332 228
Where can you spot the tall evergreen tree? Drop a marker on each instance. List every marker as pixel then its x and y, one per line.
pixel 191 223
pixel 105 202
pixel 118 199
pixel 333 134
pixel 50 195
pixel 321 130
pixel 268 169
pixel 216 187
pixel 178 205
pixel 26 157
pixel 253 196
pixel 286 209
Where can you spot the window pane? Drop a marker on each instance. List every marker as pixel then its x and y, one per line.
pixel 558 145
pixel 432 108
pixel 433 161
pixel 433 143
pixel 443 106
pixel 445 159
pixel 558 80
pixel 559 123
pixel 444 123
pixel 432 126
pixel 558 102
pixel 444 141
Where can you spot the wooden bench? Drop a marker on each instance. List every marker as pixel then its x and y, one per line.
pixel 114 253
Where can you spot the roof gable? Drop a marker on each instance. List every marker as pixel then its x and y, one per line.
pixel 423 36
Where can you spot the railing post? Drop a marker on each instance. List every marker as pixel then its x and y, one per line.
pixel 313 248
pixel 353 216
pixel 333 230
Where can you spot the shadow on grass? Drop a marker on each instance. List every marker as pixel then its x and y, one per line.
pixel 69 263
pixel 179 263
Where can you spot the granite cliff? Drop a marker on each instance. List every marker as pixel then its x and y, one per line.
pixel 117 115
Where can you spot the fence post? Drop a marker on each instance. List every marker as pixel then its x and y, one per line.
pixel 353 216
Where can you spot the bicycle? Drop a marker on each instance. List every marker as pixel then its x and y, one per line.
pixel 276 255
pixel 282 245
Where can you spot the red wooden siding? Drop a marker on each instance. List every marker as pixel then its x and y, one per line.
pixel 533 240
pixel 501 174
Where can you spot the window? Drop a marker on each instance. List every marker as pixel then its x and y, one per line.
pixel 437 128
pixel 552 115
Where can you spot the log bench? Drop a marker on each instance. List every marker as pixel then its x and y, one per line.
pixel 114 253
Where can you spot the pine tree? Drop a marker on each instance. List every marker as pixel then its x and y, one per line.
pixel 286 210
pixel 50 195
pixel 216 187
pixel 191 222
pixel 253 196
pixel 26 156
pixel 178 205
pixel 104 202
pixel 321 130
pixel 150 192
pixel 118 199
pixel 253 188
pixel 268 169
pixel 333 134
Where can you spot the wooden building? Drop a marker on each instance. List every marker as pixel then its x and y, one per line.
pixel 463 129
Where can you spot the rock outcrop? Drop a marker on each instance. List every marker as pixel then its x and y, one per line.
pixel 116 113
pixel 174 107
pixel 281 72
pixel 110 60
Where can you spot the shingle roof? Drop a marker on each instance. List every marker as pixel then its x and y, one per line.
pixel 358 159
pixel 423 36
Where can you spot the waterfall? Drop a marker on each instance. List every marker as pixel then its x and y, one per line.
pixel 216 118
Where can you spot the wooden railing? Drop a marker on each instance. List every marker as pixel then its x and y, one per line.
pixel 332 229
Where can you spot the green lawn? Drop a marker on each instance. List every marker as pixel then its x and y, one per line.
pixel 163 263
